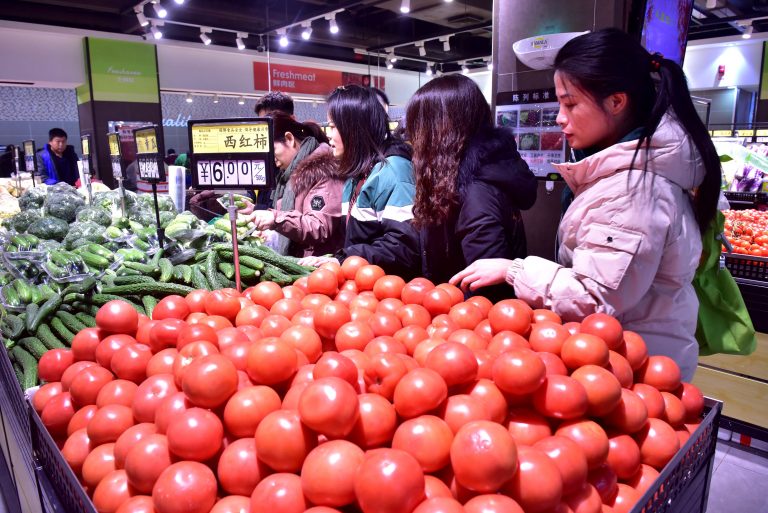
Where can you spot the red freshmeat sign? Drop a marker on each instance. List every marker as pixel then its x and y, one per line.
pixel 297 79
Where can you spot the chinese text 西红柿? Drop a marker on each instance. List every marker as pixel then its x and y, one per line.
pixel 257 142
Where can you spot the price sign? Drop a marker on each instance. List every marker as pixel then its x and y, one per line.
pixel 113 138
pixel 85 142
pixel 232 153
pixel 149 153
pixel 722 133
pixel 30 162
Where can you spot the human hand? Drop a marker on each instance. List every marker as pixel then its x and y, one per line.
pixel 264 219
pixel 317 261
pixel 482 273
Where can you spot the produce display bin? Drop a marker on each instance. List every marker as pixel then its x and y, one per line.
pixel 747 267
pixel 59 487
pixel 683 485
pixel 746 198
pixel 19 413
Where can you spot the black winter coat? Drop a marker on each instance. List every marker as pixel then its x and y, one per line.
pixel 494 185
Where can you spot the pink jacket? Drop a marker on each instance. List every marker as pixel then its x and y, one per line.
pixel 315 226
pixel 629 244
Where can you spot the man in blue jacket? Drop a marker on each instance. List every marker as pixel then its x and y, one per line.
pixel 57 162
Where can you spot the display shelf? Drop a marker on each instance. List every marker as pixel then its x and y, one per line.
pixel 754 365
pixel 739 394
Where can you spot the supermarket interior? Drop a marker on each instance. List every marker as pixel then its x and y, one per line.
pixel 379 256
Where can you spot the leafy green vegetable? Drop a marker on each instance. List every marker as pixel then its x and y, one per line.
pixel 21 221
pixel 64 205
pixel 32 198
pixel 96 214
pixel 49 228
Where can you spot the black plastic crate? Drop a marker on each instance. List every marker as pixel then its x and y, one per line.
pixel 683 485
pixel 60 489
pixel 754 198
pixel 14 396
pixel 747 267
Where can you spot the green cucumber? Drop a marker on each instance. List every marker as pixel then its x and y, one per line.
pixel 24 290
pixel 198 278
pixel 153 289
pixel 166 269
pixel 71 322
pixel 147 269
pixel 48 339
pixel 124 271
pixel 86 319
pixel 131 255
pixel 46 310
pixel 31 314
pixel 28 367
pixel 155 260
pixel 61 330
pixel 149 303
pixel 104 298
pixel 10 295
pixel 211 266
pixel 34 346
pixel 132 280
pixel 12 327
pixel 227 270
pixel 178 274
pixel 93 260
pixel 98 249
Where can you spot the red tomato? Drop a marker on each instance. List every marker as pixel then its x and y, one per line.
pixel 635 350
pixel 247 407
pixel 76 450
pixel 440 505
pixel 629 415
pixel 333 364
pixel 527 427
pixel 130 362
pixel 81 418
pixel 590 437
pixel 561 397
pixel 537 485
pixel 661 372
pixel 313 301
pixel 585 500
pixel 232 504
pixel 519 371
pixel 603 479
pixel 220 303
pixel 112 491
pixel 461 409
pixel 418 392
pixel 470 339
pixel 145 462
pixel 72 371
pixel 274 325
pixel 230 336
pixel 109 346
pixel 457 296
pixel 119 391
pixel 584 349
pixel 196 333
pixel 489 394
pixel 492 503
pixel 428 439
pixel 367 275
pixel 388 287
pixel 162 362
pixel 322 281
pixel 548 336
pixel 144 331
pixel 376 424
pixel 504 341
pixel 658 443
pixel 543 315
pixel 602 387
pixel 84 344
pixel 674 411
pixel 196 300
pixel 210 381
pixel 239 471
pixel 383 323
pixel 390 305
pixel 483 456
pixel 414 291
pixel 510 315
pixel 330 317
pixel 196 317
pixel 294 292
pixel 150 394
pixel 351 265
pixel 389 469
pixel 171 307
pixel 99 462
pixel 553 363
pixel 483 330
pixel 454 362
pixel 693 401
pixel 365 300
pixel 466 315
pixel 423 348
pixel 117 316
pixel 483 303
pixel 626 498
pixel 283 441
pixel 108 423
pixel 644 478
pixel 437 301
pixel 186 486
pixel 345 296
pixel 87 384
pixel 328 473
pixel 169 409
pixel 329 406
pixel 137 504
pixel 603 326
pixel 53 363
pixel 434 487
pixel 623 456
pixel 620 367
pixel 271 361
pixel 196 434
pixel 484 363
pixel 188 354
pixel 353 335
pixel 165 334
pixel 652 398
pixel 130 438
pixel 384 372
pixel 251 315
pixel 279 492
pixel 569 459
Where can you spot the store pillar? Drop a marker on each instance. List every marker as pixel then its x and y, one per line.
pixel 521 19
pixel 122 85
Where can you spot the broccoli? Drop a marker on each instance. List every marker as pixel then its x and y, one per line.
pixel 49 228
pixel 32 198
pixel 110 200
pixel 21 221
pixel 86 230
pixel 64 205
pixel 96 214
pixel 164 203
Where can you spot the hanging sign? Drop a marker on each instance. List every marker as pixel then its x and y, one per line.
pixel 149 153
pixel 85 142
pixel 232 153
pixel 115 156
pixel 30 163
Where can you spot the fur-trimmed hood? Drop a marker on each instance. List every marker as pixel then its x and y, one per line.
pixel 492 157
pixel 321 164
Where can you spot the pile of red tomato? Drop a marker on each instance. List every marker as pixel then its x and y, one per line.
pixel 354 391
pixel 747 231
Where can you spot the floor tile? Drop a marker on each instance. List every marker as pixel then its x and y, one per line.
pixel 720 452
pixel 755 462
pixel 735 489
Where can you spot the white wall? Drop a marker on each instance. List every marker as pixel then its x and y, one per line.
pixel 742 65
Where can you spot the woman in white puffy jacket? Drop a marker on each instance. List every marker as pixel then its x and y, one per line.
pixel 645 188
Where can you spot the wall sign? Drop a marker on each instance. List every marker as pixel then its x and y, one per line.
pixel 30 162
pixel 121 71
pixel 298 79
pixel 232 153
pixel 149 153
pixel 113 139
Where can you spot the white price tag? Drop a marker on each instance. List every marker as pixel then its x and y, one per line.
pixel 117 169
pixel 29 163
pixel 228 173
pixel 148 169
pixel 86 167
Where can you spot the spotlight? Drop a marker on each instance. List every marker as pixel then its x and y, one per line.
pixel 307 32
pixel 159 9
pixel 422 51
pixel 747 32
pixel 446 43
pixel 204 36
pixel 241 101
pixel 156 32
pixel 215 98
pixel 464 69
pixel 332 25
pixel 283 38
pixel 405 7
pixel 390 65
pixel 143 21
pixel 180 2
pixel 490 65
pixel 188 99
pixel 448 1
pixel 239 40
pixel 429 70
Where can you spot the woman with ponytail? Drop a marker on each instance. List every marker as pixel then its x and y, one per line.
pixel 646 184
pixel 307 215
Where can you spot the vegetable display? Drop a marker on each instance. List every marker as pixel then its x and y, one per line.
pixel 747 231
pixel 352 390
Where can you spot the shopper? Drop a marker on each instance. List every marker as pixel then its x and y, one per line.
pixel 307 214
pixel 57 161
pixel 7 164
pixel 274 101
pixel 470 181
pixel 379 188
pixel 645 190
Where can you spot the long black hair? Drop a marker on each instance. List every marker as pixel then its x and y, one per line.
pixel 610 61
pixel 363 126
pixel 283 123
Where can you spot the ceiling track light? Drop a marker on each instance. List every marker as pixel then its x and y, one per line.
pixel 405 6
pixel 241 101
pixel 215 98
pixel 429 70
pixel 747 31
pixel 333 27
pixel 422 50
pixel 446 40
pixel 465 69
pixel 159 9
pixel 283 37
pixel 143 21
pixel 204 36
pixel 239 40
pixel 188 98
pixel 390 64
pixel 156 31
pixel 179 2
pixel 306 33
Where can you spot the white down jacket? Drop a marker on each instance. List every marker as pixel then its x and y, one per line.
pixel 629 244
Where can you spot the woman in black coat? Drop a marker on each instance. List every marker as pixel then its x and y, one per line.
pixel 470 181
